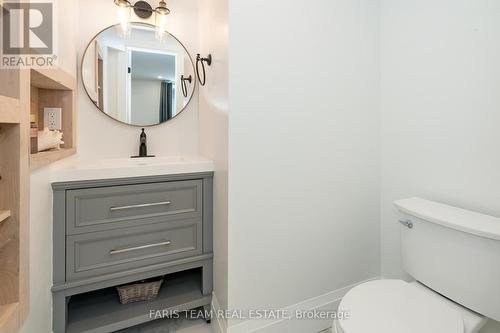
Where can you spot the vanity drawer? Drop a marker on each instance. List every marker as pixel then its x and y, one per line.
pixel 106 208
pixel 94 254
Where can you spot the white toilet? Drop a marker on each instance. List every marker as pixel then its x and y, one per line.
pixel 454 256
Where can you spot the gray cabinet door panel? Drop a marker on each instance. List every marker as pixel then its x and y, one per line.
pixel 93 254
pixel 106 208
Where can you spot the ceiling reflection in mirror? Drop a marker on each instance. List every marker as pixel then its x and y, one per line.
pixel 138 79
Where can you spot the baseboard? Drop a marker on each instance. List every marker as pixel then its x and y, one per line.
pixel 326 302
pixel 219 325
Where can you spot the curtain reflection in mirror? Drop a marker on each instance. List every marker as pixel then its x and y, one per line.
pixel 166 95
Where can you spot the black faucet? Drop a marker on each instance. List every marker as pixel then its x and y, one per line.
pixel 143 148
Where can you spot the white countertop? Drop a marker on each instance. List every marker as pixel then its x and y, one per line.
pixel 76 170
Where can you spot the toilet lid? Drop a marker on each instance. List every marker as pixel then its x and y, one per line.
pixel 394 306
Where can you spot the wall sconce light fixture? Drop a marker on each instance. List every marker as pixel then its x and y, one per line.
pixel 143 10
pixel 123 16
pixel 161 13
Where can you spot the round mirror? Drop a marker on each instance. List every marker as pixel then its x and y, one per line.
pixel 138 79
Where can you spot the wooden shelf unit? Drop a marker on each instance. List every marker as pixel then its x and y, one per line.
pixel 10 110
pixel 9 317
pixel 45 158
pixel 22 92
pixel 54 88
pixel 4 215
pixel 14 198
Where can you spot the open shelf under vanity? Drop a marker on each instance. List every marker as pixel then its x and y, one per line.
pixel 101 310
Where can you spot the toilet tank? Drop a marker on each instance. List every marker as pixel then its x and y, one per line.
pixel 453 251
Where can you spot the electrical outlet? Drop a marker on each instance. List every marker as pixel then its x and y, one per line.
pixel 52 118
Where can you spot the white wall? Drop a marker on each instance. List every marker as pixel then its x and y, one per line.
pixel 440 109
pixel 303 149
pixel 214 129
pixel 40 275
pixel 65 16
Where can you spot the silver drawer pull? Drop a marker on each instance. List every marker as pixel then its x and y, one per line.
pixel 407 223
pixel 164 203
pixel 130 249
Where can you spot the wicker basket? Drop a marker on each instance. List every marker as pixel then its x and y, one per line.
pixel 143 291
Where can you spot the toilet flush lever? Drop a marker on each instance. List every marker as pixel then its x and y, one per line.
pixel 407 223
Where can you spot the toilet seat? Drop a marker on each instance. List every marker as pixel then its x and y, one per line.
pixel 395 306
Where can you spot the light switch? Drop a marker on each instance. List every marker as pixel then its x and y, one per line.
pixel 52 118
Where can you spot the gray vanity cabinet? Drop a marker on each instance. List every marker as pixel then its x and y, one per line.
pixel 117 231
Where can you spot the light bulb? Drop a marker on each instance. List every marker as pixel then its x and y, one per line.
pixel 161 26
pixel 161 20
pixel 124 17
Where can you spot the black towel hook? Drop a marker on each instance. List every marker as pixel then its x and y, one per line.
pixel 184 84
pixel 207 60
